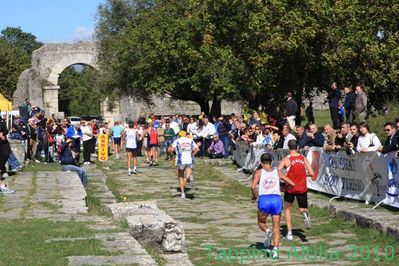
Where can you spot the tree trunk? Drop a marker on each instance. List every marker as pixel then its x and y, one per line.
pixel 204 106
pixel 216 107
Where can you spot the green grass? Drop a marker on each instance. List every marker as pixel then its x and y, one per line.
pixel 155 252
pixel 23 242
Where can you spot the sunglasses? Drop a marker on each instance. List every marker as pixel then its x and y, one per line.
pixel 386 130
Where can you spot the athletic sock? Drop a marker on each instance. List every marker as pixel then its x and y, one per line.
pixel 306 215
pixel 135 168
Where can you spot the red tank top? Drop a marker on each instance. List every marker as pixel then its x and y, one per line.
pixel 297 173
pixel 153 136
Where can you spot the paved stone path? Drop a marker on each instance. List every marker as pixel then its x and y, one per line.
pixel 215 217
pixel 59 196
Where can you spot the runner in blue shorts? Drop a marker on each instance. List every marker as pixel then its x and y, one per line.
pixel 270 201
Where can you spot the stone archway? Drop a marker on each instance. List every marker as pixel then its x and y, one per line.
pixel 40 82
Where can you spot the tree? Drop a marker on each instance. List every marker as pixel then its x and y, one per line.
pixel 23 40
pixel 12 62
pixel 78 91
pixel 205 50
pixel 16 49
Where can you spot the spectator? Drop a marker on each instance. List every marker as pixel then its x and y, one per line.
pixel 349 104
pixel 68 161
pixel 331 135
pixel 208 132
pixel 333 98
pixel 268 141
pixel 224 129
pixel 360 112
pixel 32 138
pixel 309 113
pixel 87 136
pixel 315 138
pixel 161 138
pixel 278 139
pixel 341 113
pixel 192 127
pixel 354 132
pixel 216 149
pixel 291 109
pixel 343 136
pixel 42 146
pixel 169 135
pixel 256 120
pixel 391 143
pixel 301 136
pixel 259 135
pixel 397 123
pixel 25 109
pixel 5 151
pixel 287 135
pixel 75 133
pixel 368 141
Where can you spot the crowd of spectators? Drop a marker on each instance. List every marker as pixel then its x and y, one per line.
pixel 49 140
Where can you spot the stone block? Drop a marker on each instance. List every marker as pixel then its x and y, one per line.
pixel 122 210
pixel 148 224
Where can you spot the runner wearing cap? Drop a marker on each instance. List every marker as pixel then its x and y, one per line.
pixel 296 166
pixel 270 202
pixel 185 150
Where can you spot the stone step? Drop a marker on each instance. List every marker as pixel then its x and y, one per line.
pixel 111 260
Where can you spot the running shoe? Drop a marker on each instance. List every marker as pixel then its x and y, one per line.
pixel 268 238
pixel 275 255
pixel 183 196
pixel 134 171
pixel 4 189
pixel 307 222
pixel 5 175
pixel 289 236
pixel 129 172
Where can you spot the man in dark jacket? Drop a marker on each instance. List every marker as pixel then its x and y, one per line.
pixel 349 104
pixel 391 144
pixel 291 109
pixel 333 98
pixel 68 162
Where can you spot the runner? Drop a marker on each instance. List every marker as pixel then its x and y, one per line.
pixel 117 134
pixel 270 202
pixel 153 144
pixel 185 150
pixel 130 136
pixel 296 166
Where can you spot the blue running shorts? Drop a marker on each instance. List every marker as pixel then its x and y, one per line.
pixel 270 204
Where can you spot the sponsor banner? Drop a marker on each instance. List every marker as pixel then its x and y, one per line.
pixel 103 147
pixel 392 193
pixel 370 176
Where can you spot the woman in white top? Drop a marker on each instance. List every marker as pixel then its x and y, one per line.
pixel 192 127
pixel 367 141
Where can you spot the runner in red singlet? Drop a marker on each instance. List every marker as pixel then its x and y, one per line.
pixel 296 166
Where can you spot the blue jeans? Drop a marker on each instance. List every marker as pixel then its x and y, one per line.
pixel 13 162
pixel 80 171
pixel 162 148
pixel 226 144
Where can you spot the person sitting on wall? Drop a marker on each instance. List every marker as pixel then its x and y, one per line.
pixel 216 149
pixel 68 162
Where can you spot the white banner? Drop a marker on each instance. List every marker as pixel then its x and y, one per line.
pixel 370 176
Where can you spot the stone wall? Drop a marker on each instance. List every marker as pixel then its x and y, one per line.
pixel 127 107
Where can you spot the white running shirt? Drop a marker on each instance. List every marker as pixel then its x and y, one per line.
pixel 131 138
pixel 269 183
pixel 184 150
